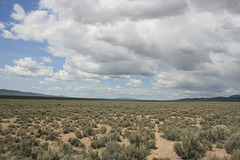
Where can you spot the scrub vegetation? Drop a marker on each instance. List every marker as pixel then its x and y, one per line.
pixel 119 130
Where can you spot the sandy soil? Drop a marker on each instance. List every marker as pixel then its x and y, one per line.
pixel 6 124
pixel 164 148
pixel 86 141
pixel 107 126
pixel 65 137
pixel 218 152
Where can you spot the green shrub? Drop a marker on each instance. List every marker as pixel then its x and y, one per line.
pixel 32 131
pixel 40 132
pixel 103 130
pixel 220 145
pixel 75 142
pixel 66 148
pixel 88 131
pixel 233 143
pixel 44 146
pixel 191 147
pixel 235 154
pixel 67 129
pixel 101 142
pixel 78 134
pixel 93 155
pixel 21 132
pixel 156 121
pixel 207 134
pixel 151 144
pixel 136 152
pixel 94 125
pixel 2 149
pixel 113 151
pixel 115 137
pixel 172 133
pixel 136 138
pixel 25 148
pixel 220 133
pixel 143 136
pixel 51 136
pixel 51 155
pixel 216 158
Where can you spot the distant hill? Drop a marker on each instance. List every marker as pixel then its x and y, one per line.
pixel 235 96
pixel 14 94
pixel 18 93
pixel 232 98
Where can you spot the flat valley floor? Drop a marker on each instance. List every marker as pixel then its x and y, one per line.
pixel 105 129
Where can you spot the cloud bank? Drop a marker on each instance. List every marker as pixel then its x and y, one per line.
pixel 188 45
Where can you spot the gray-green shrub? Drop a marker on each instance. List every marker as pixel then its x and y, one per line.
pixel 191 147
pixel 233 143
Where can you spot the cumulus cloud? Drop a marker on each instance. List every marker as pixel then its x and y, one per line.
pixel 110 10
pixel 18 13
pixel 46 59
pixel 43 82
pixel 54 89
pixel 115 77
pixel 186 45
pixel 134 83
pixel 212 79
pixel 60 76
pixel 28 68
pixel 2 26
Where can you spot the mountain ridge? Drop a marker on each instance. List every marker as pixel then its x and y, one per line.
pixel 19 93
pixel 6 92
pixel 232 98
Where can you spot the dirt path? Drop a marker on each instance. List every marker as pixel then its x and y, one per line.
pixel 164 148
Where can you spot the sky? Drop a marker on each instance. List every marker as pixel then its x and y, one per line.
pixel 141 49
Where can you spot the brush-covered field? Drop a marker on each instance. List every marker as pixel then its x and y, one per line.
pixel 119 130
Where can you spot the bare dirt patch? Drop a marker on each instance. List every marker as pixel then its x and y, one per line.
pixel 164 148
pixel 7 122
pixel 65 137
pixel 218 152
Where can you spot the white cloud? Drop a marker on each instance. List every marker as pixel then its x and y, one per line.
pixel 61 75
pixel 94 81
pixel 163 81
pixel 17 70
pixel 135 82
pixel 7 34
pixel 19 13
pixel 115 77
pixel 43 82
pixel 28 63
pixel 118 87
pixel 2 26
pixel 28 67
pixel 46 59
pixel 54 89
